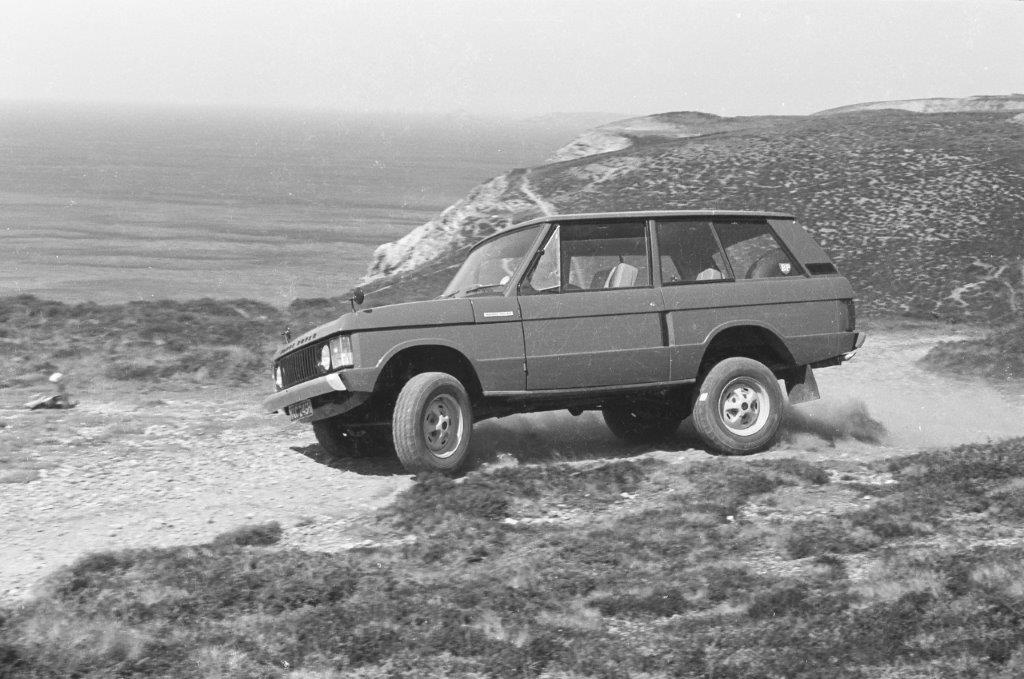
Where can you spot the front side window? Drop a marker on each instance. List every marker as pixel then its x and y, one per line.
pixel 592 256
pixel 689 253
pixel 753 250
pixel 489 268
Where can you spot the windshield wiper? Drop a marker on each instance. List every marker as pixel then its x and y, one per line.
pixel 478 288
pixel 473 288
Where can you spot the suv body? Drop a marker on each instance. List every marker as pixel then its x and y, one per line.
pixel 646 316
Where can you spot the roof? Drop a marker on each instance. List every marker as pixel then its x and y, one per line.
pixel 651 214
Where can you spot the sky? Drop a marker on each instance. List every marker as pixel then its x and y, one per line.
pixel 511 57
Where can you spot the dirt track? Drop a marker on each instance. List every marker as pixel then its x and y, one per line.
pixel 135 467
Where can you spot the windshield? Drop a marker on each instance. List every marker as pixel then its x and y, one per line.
pixel 490 267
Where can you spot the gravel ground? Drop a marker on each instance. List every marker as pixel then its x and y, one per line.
pixel 135 469
pixel 138 467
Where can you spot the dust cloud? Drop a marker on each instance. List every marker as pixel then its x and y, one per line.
pixel 558 436
pixel 835 420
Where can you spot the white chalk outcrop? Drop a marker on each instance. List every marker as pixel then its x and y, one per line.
pixel 490 207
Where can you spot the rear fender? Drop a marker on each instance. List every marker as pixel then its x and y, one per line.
pixel 734 333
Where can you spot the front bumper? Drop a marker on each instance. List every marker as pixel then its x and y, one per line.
pixel 301 392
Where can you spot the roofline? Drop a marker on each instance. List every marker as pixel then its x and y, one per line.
pixel 649 214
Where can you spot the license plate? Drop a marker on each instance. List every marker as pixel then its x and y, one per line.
pixel 301 410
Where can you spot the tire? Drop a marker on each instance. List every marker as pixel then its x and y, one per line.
pixel 738 408
pixel 645 420
pixel 432 423
pixel 340 440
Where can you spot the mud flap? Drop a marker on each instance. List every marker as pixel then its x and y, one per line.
pixel 801 385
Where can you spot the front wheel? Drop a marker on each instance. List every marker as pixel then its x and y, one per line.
pixel 739 407
pixel 432 423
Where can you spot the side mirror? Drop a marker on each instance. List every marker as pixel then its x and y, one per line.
pixel 357 298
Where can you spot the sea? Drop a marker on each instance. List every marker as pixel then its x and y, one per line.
pixel 112 204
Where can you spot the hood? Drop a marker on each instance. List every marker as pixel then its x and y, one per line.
pixel 453 311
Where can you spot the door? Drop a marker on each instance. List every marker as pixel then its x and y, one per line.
pixel 591 317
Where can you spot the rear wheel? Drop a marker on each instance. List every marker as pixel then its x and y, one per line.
pixel 739 407
pixel 432 423
pixel 645 420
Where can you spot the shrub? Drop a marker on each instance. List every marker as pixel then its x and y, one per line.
pixel 801 469
pixel 657 602
pixel 823 537
pixel 254 535
pixel 435 499
pixel 999 356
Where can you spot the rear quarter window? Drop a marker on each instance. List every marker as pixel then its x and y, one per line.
pixel 754 251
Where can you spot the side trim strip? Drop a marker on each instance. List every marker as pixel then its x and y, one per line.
pixel 587 391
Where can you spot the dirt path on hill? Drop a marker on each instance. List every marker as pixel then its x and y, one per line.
pixel 134 467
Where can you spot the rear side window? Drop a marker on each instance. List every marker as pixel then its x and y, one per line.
pixel 689 252
pixel 754 251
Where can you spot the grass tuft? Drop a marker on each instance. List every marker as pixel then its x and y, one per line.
pixel 255 535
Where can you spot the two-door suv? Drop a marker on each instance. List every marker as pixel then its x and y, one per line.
pixel 646 316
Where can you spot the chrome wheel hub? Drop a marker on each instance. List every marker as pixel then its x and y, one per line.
pixel 442 425
pixel 744 407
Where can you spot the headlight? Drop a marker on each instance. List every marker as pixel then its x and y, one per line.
pixel 278 377
pixel 341 352
pixel 325 358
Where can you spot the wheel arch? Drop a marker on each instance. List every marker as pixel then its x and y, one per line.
pixel 435 355
pixel 748 339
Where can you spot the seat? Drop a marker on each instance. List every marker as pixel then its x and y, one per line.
pixel 622 275
pixel 598 280
pixel 710 274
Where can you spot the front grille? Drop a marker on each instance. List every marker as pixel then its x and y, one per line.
pixel 300 365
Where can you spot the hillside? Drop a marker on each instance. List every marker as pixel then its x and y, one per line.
pixel 198 341
pixel 923 212
pixel 1010 102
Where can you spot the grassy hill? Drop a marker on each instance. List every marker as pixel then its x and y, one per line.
pixel 728 568
pixel 205 340
pixel 923 212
